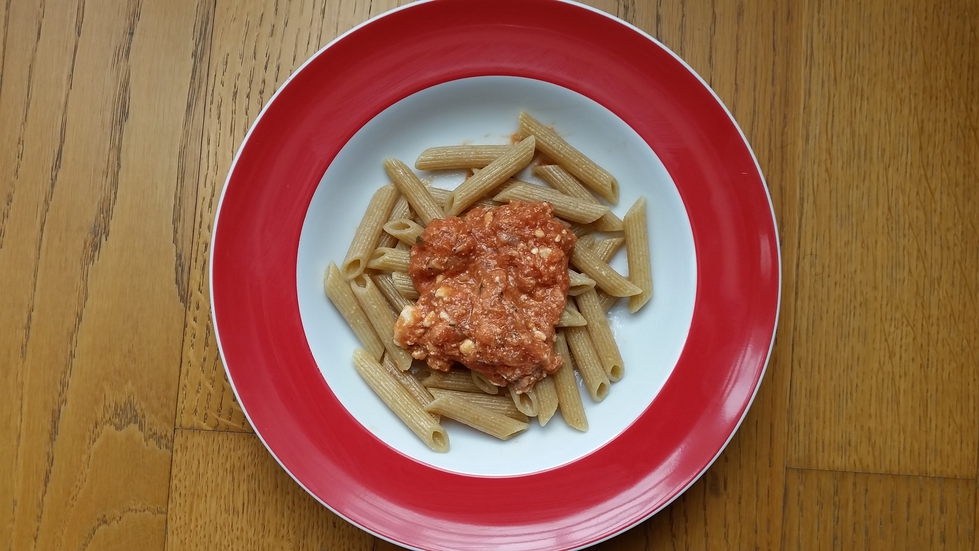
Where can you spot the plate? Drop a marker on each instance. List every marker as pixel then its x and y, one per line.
pixel 450 71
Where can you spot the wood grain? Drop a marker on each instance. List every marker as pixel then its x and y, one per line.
pixel 119 120
pixel 90 318
pixel 228 492
pixel 884 376
pixel 745 50
pixel 253 48
pixel 870 511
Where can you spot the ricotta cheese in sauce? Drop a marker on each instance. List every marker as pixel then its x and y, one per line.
pixel 492 287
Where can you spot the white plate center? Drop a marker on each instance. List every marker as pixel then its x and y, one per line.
pixel 484 110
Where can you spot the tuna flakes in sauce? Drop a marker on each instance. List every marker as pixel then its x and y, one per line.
pixel 492 287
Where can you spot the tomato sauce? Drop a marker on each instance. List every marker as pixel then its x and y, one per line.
pixel 492 287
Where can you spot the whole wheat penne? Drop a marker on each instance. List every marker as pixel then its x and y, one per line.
pixel 390 291
pixel 605 249
pixel 483 383
pixel 493 175
pixel 411 384
pixel 456 379
pixel 546 399
pixel 404 229
pixel 606 300
pixel 579 283
pixel 400 210
pixel 405 285
pixel 575 162
pixel 401 402
pixel 368 231
pixel 568 208
pixel 414 190
pixel 500 403
pixel 479 418
pixel 525 401
pixel 442 195
pixel 571 317
pixel 605 277
pixel 452 157
pixel 343 298
pixel 382 317
pixel 589 366
pixel 601 334
pixel 637 254
pixel 566 385
pixel 389 259
pixel 567 184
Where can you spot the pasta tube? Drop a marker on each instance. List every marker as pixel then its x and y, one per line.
pixel 368 232
pixel 477 417
pixel 459 156
pixel 637 254
pixel 401 402
pixel 343 298
pixel 583 168
pixel 490 177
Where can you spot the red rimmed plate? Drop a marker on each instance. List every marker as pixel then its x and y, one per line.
pixel 586 73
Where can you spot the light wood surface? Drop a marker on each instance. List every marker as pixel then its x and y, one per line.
pixel 118 123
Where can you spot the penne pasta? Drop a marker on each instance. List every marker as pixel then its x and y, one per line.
pixel 456 379
pixel 404 230
pixel 453 157
pixel 571 317
pixel 526 402
pixel 589 365
pixel 606 300
pixel 579 283
pixel 561 152
pixel 414 190
pixel 637 254
pixel 479 418
pixel 388 259
pixel 605 249
pixel 390 291
pixel 381 316
pixel 343 298
pixel 490 177
pixel 500 403
pixel 400 210
pixel 418 419
pixel 483 383
pixel 605 277
pixel 567 184
pixel 411 384
pixel 405 285
pixel 372 285
pixel 546 399
pixel 368 232
pixel 442 195
pixel 566 386
pixel 568 208
pixel 601 334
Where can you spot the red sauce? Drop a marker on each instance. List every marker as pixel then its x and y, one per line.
pixel 492 286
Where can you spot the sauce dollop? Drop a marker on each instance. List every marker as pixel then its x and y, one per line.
pixel 492 287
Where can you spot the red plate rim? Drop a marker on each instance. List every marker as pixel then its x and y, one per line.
pixel 255 304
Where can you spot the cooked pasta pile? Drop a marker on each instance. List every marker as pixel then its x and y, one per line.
pixel 372 286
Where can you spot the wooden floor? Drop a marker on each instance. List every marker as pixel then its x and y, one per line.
pixel 118 123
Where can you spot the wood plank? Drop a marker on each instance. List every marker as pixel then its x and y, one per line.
pixel 884 377
pixel 90 312
pixel 746 51
pixel 228 492
pixel 870 511
pixel 256 46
